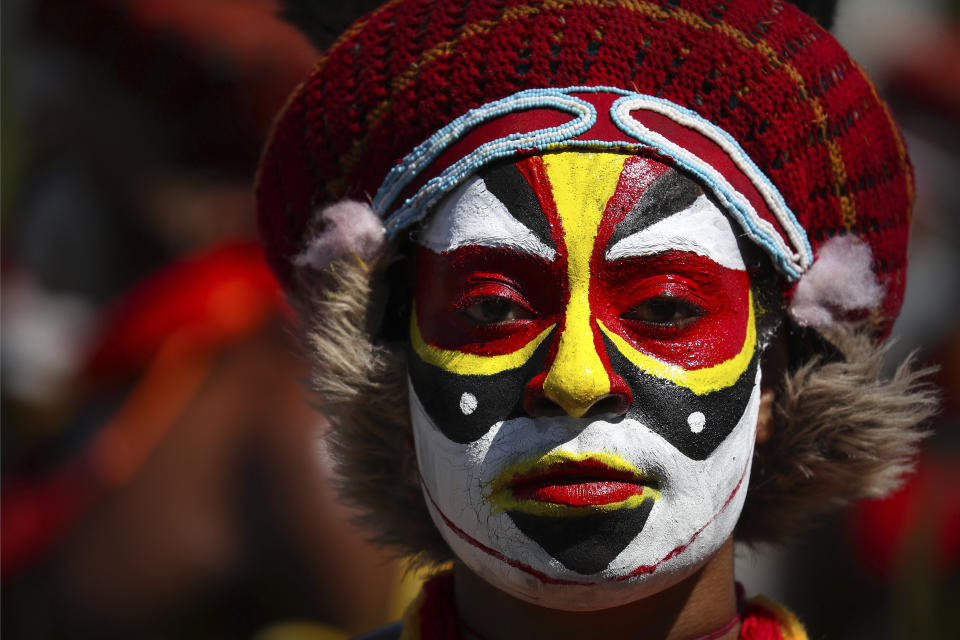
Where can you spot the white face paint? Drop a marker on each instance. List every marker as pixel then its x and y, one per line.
pixel 701 228
pixel 698 507
pixel 584 432
pixel 471 215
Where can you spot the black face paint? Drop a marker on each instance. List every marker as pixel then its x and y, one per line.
pixel 586 544
pixel 497 396
pixel 663 416
pixel 512 189
pixel 669 194
pixel 665 407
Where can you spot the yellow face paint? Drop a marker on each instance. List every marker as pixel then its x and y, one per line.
pixel 582 184
pixel 474 416
pixel 471 364
pixel 699 381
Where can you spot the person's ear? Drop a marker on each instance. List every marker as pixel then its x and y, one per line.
pixel 773 365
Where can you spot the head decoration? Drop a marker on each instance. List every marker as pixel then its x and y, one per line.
pixel 419 93
pixel 753 101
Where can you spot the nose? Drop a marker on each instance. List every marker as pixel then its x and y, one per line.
pixel 538 404
pixel 577 383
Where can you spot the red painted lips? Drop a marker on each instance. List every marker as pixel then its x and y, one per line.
pixel 582 483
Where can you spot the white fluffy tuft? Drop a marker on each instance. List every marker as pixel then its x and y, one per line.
pixel 347 228
pixel 839 282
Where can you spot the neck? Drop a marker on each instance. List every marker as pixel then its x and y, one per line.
pixel 694 607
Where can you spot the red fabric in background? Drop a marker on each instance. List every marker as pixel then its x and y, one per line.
pixel 203 303
pixel 217 295
pixel 918 523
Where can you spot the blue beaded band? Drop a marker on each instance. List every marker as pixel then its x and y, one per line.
pixel 793 262
pixel 408 169
pixel 792 255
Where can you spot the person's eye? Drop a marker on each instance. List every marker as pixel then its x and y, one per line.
pixel 665 312
pixel 493 310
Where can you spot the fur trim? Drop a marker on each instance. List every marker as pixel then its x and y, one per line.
pixel 843 430
pixel 345 228
pixel 840 282
pixel 363 391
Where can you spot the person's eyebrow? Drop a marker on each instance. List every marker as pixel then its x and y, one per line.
pixel 498 217
pixel 670 193
pixel 699 228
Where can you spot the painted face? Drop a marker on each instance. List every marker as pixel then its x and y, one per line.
pixel 584 379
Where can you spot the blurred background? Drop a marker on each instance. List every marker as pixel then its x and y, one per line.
pixel 162 467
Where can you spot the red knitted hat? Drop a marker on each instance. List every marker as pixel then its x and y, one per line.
pixel 753 98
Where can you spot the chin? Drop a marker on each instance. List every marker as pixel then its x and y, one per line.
pixel 580 595
pixel 583 558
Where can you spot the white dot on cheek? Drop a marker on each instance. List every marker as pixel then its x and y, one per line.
pixel 696 420
pixel 468 403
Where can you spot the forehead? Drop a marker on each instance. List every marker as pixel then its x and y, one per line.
pixel 633 205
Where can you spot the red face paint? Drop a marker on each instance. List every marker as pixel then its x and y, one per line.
pixel 634 297
pixel 453 287
pixel 709 304
pixel 473 427
pixel 461 292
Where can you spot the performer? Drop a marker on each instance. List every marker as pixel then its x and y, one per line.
pixel 594 289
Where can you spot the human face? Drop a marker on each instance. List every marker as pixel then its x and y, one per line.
pixel 584 379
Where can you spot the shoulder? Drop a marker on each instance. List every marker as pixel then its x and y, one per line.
pixel 389 632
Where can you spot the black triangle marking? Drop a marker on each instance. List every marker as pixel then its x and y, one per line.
pixel 585 544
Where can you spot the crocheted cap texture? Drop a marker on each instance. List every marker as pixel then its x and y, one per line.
pixel 781 86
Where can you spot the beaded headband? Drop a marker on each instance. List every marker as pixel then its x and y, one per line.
pixel 752 98
pixel 692 142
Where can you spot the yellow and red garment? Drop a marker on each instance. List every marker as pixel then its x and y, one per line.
pixel 433 616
